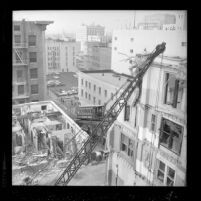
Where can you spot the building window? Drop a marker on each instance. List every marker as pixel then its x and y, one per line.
pixel 124 143
pixel 20 89
pixel 170 176
pixel 94 100
pixel 131 50
pixel 127 112
pixel 153 122
pixel 171 136
pixel 94 87
pixel 34 89
pixel 99 102
pixel 16 27
pixel 136 115
pixel 82 81
pixel 89 85
pixel 99 89
pixel 173 91
pixel 127 145
pixel 82 92
pixel 89 96
pixel 105 93
pixel 115 38
pixel 34 73
pixel 32 57
pixel 184 44
pixel 19 75
pixel 17 39
pixel 85 94
pixel 165 174
pixel 161 172
pixel 115 48
pixel 112 96
pixel 43 107
pixel 85 83
pixel 32 40
pixel 132 39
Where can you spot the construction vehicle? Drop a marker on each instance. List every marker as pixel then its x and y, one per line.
pixel 110 116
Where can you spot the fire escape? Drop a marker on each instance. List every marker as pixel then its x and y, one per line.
pixel 20 51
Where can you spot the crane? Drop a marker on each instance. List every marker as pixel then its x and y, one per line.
pixel 109 118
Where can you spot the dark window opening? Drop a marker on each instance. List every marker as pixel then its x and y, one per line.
pixel 44 107
pixel 16 27
pixel 32 40
pixel 173 91
pixel 34 73
pixel 34 89
pixel 127 113
pixel 32 57
pixel 171 136
pixel 153 122
pixel 20 89
pixel 127 145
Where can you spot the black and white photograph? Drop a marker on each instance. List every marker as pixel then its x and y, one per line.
pixel 99 98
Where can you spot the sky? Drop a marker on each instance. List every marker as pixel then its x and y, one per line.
pixel 69 20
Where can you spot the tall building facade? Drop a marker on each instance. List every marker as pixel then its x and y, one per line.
pixel 61 55
pixel 29 63
pixel 128 43
pixel 99 86
pixel 99 57
pixel 90 33
pixel 148 145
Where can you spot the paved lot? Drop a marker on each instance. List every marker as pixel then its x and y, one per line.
pixel 91 175
pixel 67 78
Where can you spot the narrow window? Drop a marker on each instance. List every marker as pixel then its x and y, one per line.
pixel 32 40
pixel 127 113
pixel 20 89
pixel 153 122
pixel 32 57
pixel 34 73
pixel 105 93
pixel 161 171
pixel 34 89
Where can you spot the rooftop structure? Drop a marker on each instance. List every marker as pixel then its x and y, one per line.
pixel 44 128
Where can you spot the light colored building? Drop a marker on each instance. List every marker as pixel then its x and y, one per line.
pixel 43 121
pixel 92 33
pixel 99 57
pixel 128 43
pixel 180 24
pixel 156 21
pixel 61 55
pixel 97 87
pixel 29 63
pixel 148 146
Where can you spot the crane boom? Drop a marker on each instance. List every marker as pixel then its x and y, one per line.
pixel 109 118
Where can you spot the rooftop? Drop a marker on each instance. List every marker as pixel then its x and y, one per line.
pixel 109 76
pixel 68 79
